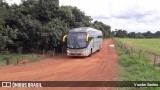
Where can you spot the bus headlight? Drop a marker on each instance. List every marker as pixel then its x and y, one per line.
pixel 68 51
pixel 84 51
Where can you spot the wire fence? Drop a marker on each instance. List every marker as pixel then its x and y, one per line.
pixel 7 58
pixel 152 56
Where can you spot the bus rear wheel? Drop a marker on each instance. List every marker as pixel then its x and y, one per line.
pixel 99 48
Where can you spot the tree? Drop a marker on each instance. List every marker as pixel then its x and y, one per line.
pixel 7 36
pixel 121 33
pixel 40 24
pixel 148 34
pixel 106 30
pixel 131 35
pixel 45 10
pixel 74 17
pixel 157 34
pixel 113 33
pixel 57 29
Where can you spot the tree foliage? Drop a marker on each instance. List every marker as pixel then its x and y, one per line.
pixel 104 28
pixel 124 34
pixel 40 24
pixel 121 33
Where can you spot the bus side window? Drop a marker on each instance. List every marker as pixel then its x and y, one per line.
pixel 99 37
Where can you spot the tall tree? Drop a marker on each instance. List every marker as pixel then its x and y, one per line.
pixel 121 33
pixel 104 28
pixel 148 34
pixel 40 24
pixel 131 35
pixel 157 34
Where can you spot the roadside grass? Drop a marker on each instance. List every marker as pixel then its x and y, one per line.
pixel 131 68
pixel 152 45
pixel 13 58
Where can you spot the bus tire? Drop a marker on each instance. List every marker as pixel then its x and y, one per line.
pixel 90 53
pixel 99 48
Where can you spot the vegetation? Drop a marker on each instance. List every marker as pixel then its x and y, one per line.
pixel 134 69
pixel 151 45
pixel 40 24
pixel 14 57
pixel 123 34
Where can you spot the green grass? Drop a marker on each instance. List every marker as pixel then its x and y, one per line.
pixel 151 45
pixel 131 68
pixel 14 57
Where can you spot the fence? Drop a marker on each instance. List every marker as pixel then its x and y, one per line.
pixel 153 57
pixel 7 58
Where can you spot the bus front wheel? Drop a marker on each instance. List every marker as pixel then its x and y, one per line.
pixel 90 53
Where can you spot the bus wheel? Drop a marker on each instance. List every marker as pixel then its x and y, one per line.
pixel 99 48
pixel 90 53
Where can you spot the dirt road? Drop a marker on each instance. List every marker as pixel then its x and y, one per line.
pixel 101 66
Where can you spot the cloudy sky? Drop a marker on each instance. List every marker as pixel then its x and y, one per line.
pixel 130 15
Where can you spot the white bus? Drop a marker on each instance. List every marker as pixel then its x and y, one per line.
pixel 83 41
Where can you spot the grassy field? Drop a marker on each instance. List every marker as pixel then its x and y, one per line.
pixel 14 57
pixel 131 68
pixel 151 45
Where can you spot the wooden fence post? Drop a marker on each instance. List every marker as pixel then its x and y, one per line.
pixel 17 61
pixel 155 56
pixel 7 60
pixel 127 51
pixel 38 53
pixel 32 55
pixel 53 53
pixel 43 52
pixel 125 46
pixel 139 54
pixel 131 49
pixel 121 44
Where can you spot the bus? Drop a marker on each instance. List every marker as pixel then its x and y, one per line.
pixel 83 41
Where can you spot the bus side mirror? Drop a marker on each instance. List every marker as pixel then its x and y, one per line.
pixel 87 37
pixel 64 38
pixel 90 38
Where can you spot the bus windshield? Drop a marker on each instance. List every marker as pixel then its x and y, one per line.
pixel 77 40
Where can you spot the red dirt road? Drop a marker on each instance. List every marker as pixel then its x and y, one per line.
pixel 101 66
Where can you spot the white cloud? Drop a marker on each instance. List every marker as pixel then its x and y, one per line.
pixel 131 15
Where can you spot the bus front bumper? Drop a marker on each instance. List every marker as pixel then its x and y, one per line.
pixel 77 54
pixel 74 53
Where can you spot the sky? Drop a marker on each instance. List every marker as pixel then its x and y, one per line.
pixel 130 15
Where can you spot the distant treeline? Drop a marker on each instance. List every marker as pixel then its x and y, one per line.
pixel 40 24
pixel 124 34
